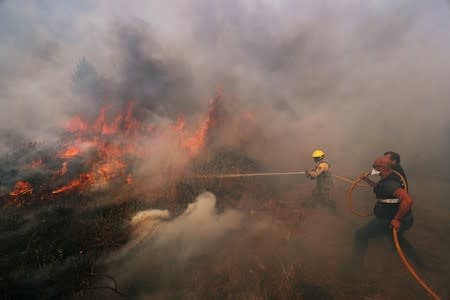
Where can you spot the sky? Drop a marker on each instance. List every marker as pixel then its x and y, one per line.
pixel 354 78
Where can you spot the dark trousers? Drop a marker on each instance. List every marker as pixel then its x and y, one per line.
pixel 378 228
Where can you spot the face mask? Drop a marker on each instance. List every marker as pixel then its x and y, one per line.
pixel 375 172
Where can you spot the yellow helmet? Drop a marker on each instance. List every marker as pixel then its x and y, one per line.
pixel 318 154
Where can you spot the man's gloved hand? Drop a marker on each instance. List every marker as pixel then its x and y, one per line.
pixel 395 223
pixel 308 174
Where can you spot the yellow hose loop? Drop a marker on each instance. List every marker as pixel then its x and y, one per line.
pixel 349 199
pixel 410 268
pixel 349 180
pixel 402 179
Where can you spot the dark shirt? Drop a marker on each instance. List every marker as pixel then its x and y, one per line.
pixel 385 189
pixel 399 169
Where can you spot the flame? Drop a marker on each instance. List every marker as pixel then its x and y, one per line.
pixel 102 125
pixel 196 142
pixel 82 181
pixel 112 169
pixel 179 124
pixel 113 138
pixel 70 151
pixel 21 188
pixel 193 143
pixel 130 123
pixel 104 137
pixel 102 148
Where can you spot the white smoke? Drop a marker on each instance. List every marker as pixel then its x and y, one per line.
pixel 199 226
pixel 193 233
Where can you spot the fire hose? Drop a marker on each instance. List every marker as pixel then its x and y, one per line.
pixel 346 179
pixel 405 261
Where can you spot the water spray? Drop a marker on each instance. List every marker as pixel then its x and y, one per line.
pixel 349 180
pixel 250 174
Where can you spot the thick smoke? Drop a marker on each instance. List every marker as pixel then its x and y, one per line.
pixel 195 233
pixel 355 78
pixel 335 76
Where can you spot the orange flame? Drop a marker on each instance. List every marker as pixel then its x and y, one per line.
pixel 105 136
pixel 179 124
pixel 83 180
pixel 70 152
pixel 21 188
pixel 196 142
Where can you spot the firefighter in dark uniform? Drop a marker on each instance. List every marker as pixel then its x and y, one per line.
pixel 392 210
pixel 321 173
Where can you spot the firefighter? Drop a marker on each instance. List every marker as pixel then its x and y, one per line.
pixel 392 210
pixel 321 173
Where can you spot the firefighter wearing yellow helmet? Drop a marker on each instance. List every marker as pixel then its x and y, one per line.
pixel 321 173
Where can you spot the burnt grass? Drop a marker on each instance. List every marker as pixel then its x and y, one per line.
pixel 49 252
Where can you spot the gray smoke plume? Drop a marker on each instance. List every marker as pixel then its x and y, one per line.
pixel 332 76
pixel 192 234
pixel 354 78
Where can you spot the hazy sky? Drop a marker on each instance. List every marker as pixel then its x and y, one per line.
pixel 355 78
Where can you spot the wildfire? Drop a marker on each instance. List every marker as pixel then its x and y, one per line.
pixel 195 142
pixel 104 137
pixel 70 151
pixel 105 146
pixel 21 188
pixel 83 180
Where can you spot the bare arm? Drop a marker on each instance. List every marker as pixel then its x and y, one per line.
pixel 320 169
pixel 405 203
pixel 365 177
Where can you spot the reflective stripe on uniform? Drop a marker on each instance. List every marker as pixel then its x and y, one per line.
pixel 390 200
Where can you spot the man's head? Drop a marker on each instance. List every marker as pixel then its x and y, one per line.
pixel 318 155
pixel 383 165
pixel 393 156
